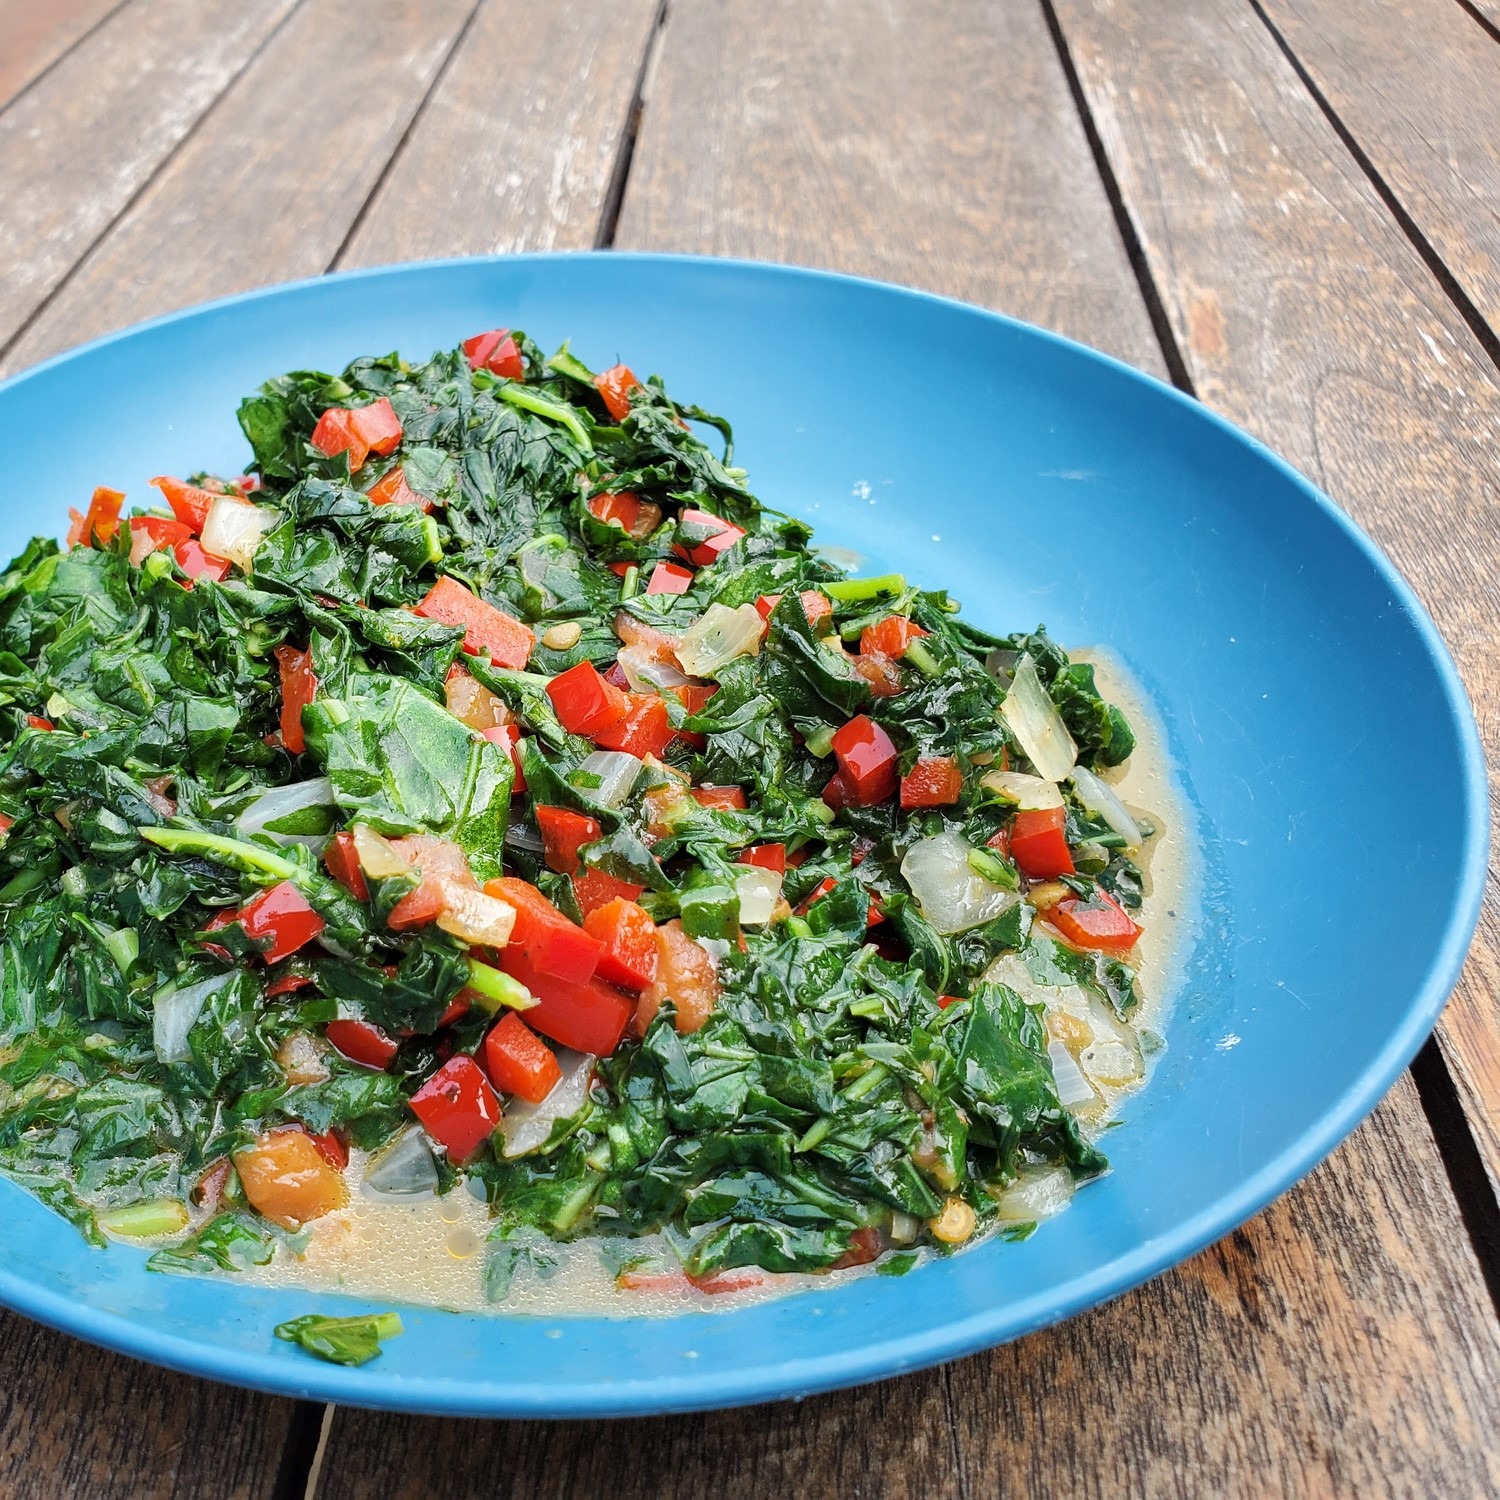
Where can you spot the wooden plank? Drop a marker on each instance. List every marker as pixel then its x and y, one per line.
pixel 1304 314
pixel 930 144
pixel 37 33
pixel 1293 1358
pixel 547 91
pixel 76 148
pixel 75 1420
pixel 242 203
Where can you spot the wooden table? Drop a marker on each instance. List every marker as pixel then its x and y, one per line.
pixel 1285 206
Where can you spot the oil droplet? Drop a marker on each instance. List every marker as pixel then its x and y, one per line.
pixel 450 1210
pixel 462 1243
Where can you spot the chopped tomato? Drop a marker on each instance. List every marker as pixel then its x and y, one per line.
pixel 392 489
pixel 615 385
pixel 888 637
pixel 669 578
pixel 288 1179
pixel 629 938
pixel 457 1107
pixel 439 862
pixel 280 920
pixel 340 860
pixel 721 536
pixel 102 520
pixel 767 856
pixel 685 975
pixel 196 563
pixel 588 1015
pixel 487 630
pixel 935 781
pixel 519 1061
pixel 867 761
pixel 596 888
pixel 543 938
pixel 190 502
pixel 1038 843
pixel 584 702
pixel 332 1148
pixel 564 832
pixel 362 1042
pixel 623 507
pixel 151 533
pixel 508 737
pixel 645 729
pixel 881 672
pixel 298 686
pixel 1098 922
pixel 496 352
pixel 864 1247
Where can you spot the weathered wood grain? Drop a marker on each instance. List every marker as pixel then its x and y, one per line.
pixel 269 185
pixel 1488 10
pixel 76 148
pixel 517 147
pixel 37 32
pixel 925 143
pixel 1304 314
pixel 1339 1344
pixel 75 1420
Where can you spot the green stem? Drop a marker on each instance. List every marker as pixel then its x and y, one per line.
pixel 630 583
pixel 533 401
pixel 229 851
pixel 850 590
pixel 495 988
pixel 817 1133
pixel 866 1083
pixel 923 659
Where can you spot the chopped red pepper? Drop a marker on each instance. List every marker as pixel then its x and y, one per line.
pixel 519 1061
pixel 719 798
pixel 280 920
pixel 694 695
pixel 935 781
pixel 588 1015
pixel 496 352
pixel 629 938
pixel 867 761
pixel 836 793
pixel 564 832
pixel 668 578
pixel 881 672
pixel 767 856
pixel 645 729
pixel 38 722
pixel 1098 922
pixel 458 1008
pixel 888 637
pixel 487 630
pixel 196 563
pixel 438 861
pixel 596 888
pixel 102 520
pixel 392 489
pixel 358 431
pixel 340 860
pixel 362 1042
pixel 190 502
pixel 615 385
pixel 543 937
pixel 332 1148
pixel 623 507
pixel 150 533
pixel 1038 843
pixel 298 686
pixel 685 975
pixel 288 984
pixel 722 535
pixel 457 1107
pixel 584 702
pixel 508 737
pixel 944 1001
pixel 817 893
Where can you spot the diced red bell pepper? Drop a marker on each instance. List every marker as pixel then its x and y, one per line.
pixel 836 793
pixel 332 1148
pixel 38 722
pixel 1099 922
pixel 1039 844
pixel 508 737
pixel 340 860
pixel 629 938
pixel 584 702
pixel 281 920
pixel 595 888
pixel 496 352
pixel 102 519
pixel 622 507
pixel 588 1015
pixel 767 856
pixel 362 1042
pixel 457 1107
pixel 615 385
pixel 378 425
pixel 458 1008
pixel 888 637
pixel 694 695
pixel 620 569
pixel 719 798
pixel 669 578
pixel 289 984
pixel 299 684
pixel 564 832
pixel 547 941
pixel 487 630
pixel 816 605
pixel 519 1061
pixel 6 824
pixel 438 861
pixel 392 489
pixel 944 1001
pixel 935 781
pixel 817 893
pixel 149 534
pixel 358 431
pixel 645 729
pixel 196 563
pixel 867 761
pixel 722 535
pixel 190 502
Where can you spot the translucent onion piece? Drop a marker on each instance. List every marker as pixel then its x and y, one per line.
pixel 1099 797
pixel 378 857
pixel 175 1012
pixel 952 897
pixel 1033 718
pixel 526 1126
pixel 281 802
pixel 1027 792
pixel 718 636
pixel 233 529
pixel 1072 1087
pixel 646 671
pixel 475 918
pixel 759 890
pixel 1036 1195
pixel 405 1169
pixel 617 771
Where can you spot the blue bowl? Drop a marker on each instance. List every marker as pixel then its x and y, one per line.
pixel 1037 480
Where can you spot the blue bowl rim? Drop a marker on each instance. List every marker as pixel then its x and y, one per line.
pixel 882 1357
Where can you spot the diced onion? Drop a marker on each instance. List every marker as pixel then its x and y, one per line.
pixel 405 1169
pixel 759 890
pixel 952 896
pixel 378 857
pixel 718 636
pixel 1033 718
pixel 904 1228
pixel 175 1012
pixel 282 802
pixel 1036 1195
pixel 1099 797
pixel 526 1126
pixel 1072 1087
pixel 475 918
pixel 1029 793
pixel 646 671
pixel 617 771
pixel 233 529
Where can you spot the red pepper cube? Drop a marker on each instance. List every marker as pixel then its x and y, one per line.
pixel 1039 844
pixel 377 426
pixel 935 781
pixel 888 637
pixel 564 832
pixel 341 862
pixel 668 578
pixel 765 604
pixel 615 386
pixel 721 536
pixel 719 798
pixel 867 761
pixel 629 938
pixel 587 1015
pixel 645 729
pixel 1099 923
pixel 519 1061
pixel 335 433
pixel 150 534
pixel 298 686
pixel 496 352
pixel 624 508
pixel 101 522
pixel 487 631
pixel 595 888
pixel 584 702
pixel 817 893
pixel 37 721
pixel 767 856
pixel 280 920
pixel 392 489
pixel 362 1042
pixel 332 1148
pixel 457 1107
pixel 190 502
pixel 508 737
pixel 196 563
pixel 548 942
